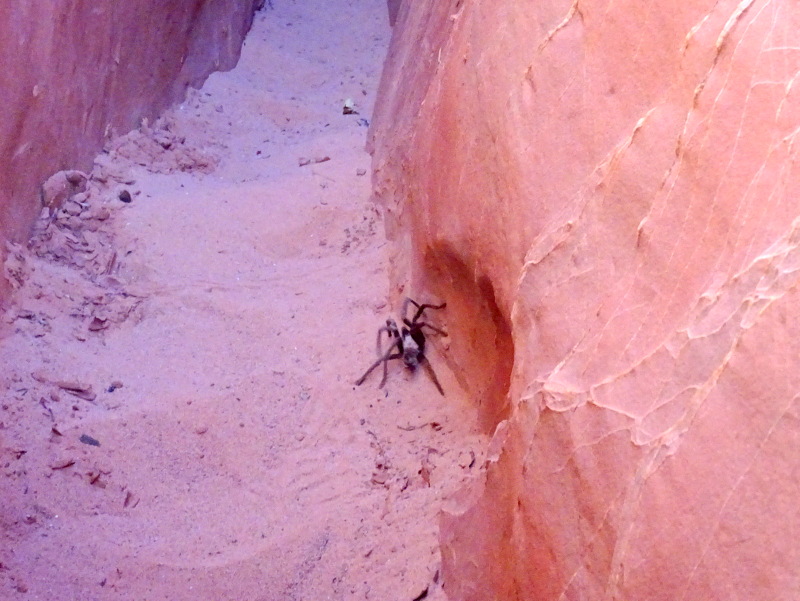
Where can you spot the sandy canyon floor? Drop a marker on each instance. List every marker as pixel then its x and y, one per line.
pixel 178 416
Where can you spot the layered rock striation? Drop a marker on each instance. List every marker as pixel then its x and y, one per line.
pixel 75 73
pixel 606 194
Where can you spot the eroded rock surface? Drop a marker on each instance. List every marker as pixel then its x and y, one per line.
pixel 606 196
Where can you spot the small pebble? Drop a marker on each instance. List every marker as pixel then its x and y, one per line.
pixel 86 439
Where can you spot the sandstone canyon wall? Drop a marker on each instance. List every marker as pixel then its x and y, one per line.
pixel 76 72
pixel 607 195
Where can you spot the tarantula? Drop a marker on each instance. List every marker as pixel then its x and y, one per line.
pixel 409 342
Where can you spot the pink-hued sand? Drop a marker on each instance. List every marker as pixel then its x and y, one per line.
pixel 207 335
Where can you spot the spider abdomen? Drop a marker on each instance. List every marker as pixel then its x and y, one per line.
pixel 413 348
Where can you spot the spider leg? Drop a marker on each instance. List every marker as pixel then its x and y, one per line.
pixel 425 324
pixel 386 366
pixel 432 374
pixel 420 308
pixel 407 302
pixel 383 359
pixel 391 330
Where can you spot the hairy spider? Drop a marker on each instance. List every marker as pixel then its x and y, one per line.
pixel 408 345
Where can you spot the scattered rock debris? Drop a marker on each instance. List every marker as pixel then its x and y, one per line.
pixel 78 389
pixel 62 464
pixel 86 439
pixel 160 148
pixel 304 161
pixel 349 107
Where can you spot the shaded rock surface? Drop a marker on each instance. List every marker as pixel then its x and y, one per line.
pixel 77 73
pixel 606 195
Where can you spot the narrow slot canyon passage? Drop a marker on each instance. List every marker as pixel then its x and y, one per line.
pixel 179 419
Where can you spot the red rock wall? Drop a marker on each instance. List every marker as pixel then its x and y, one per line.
pixel 74 72
pixel 607 196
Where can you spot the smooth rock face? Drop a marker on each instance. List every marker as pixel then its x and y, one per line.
pixel 607 195
pixel 76 72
